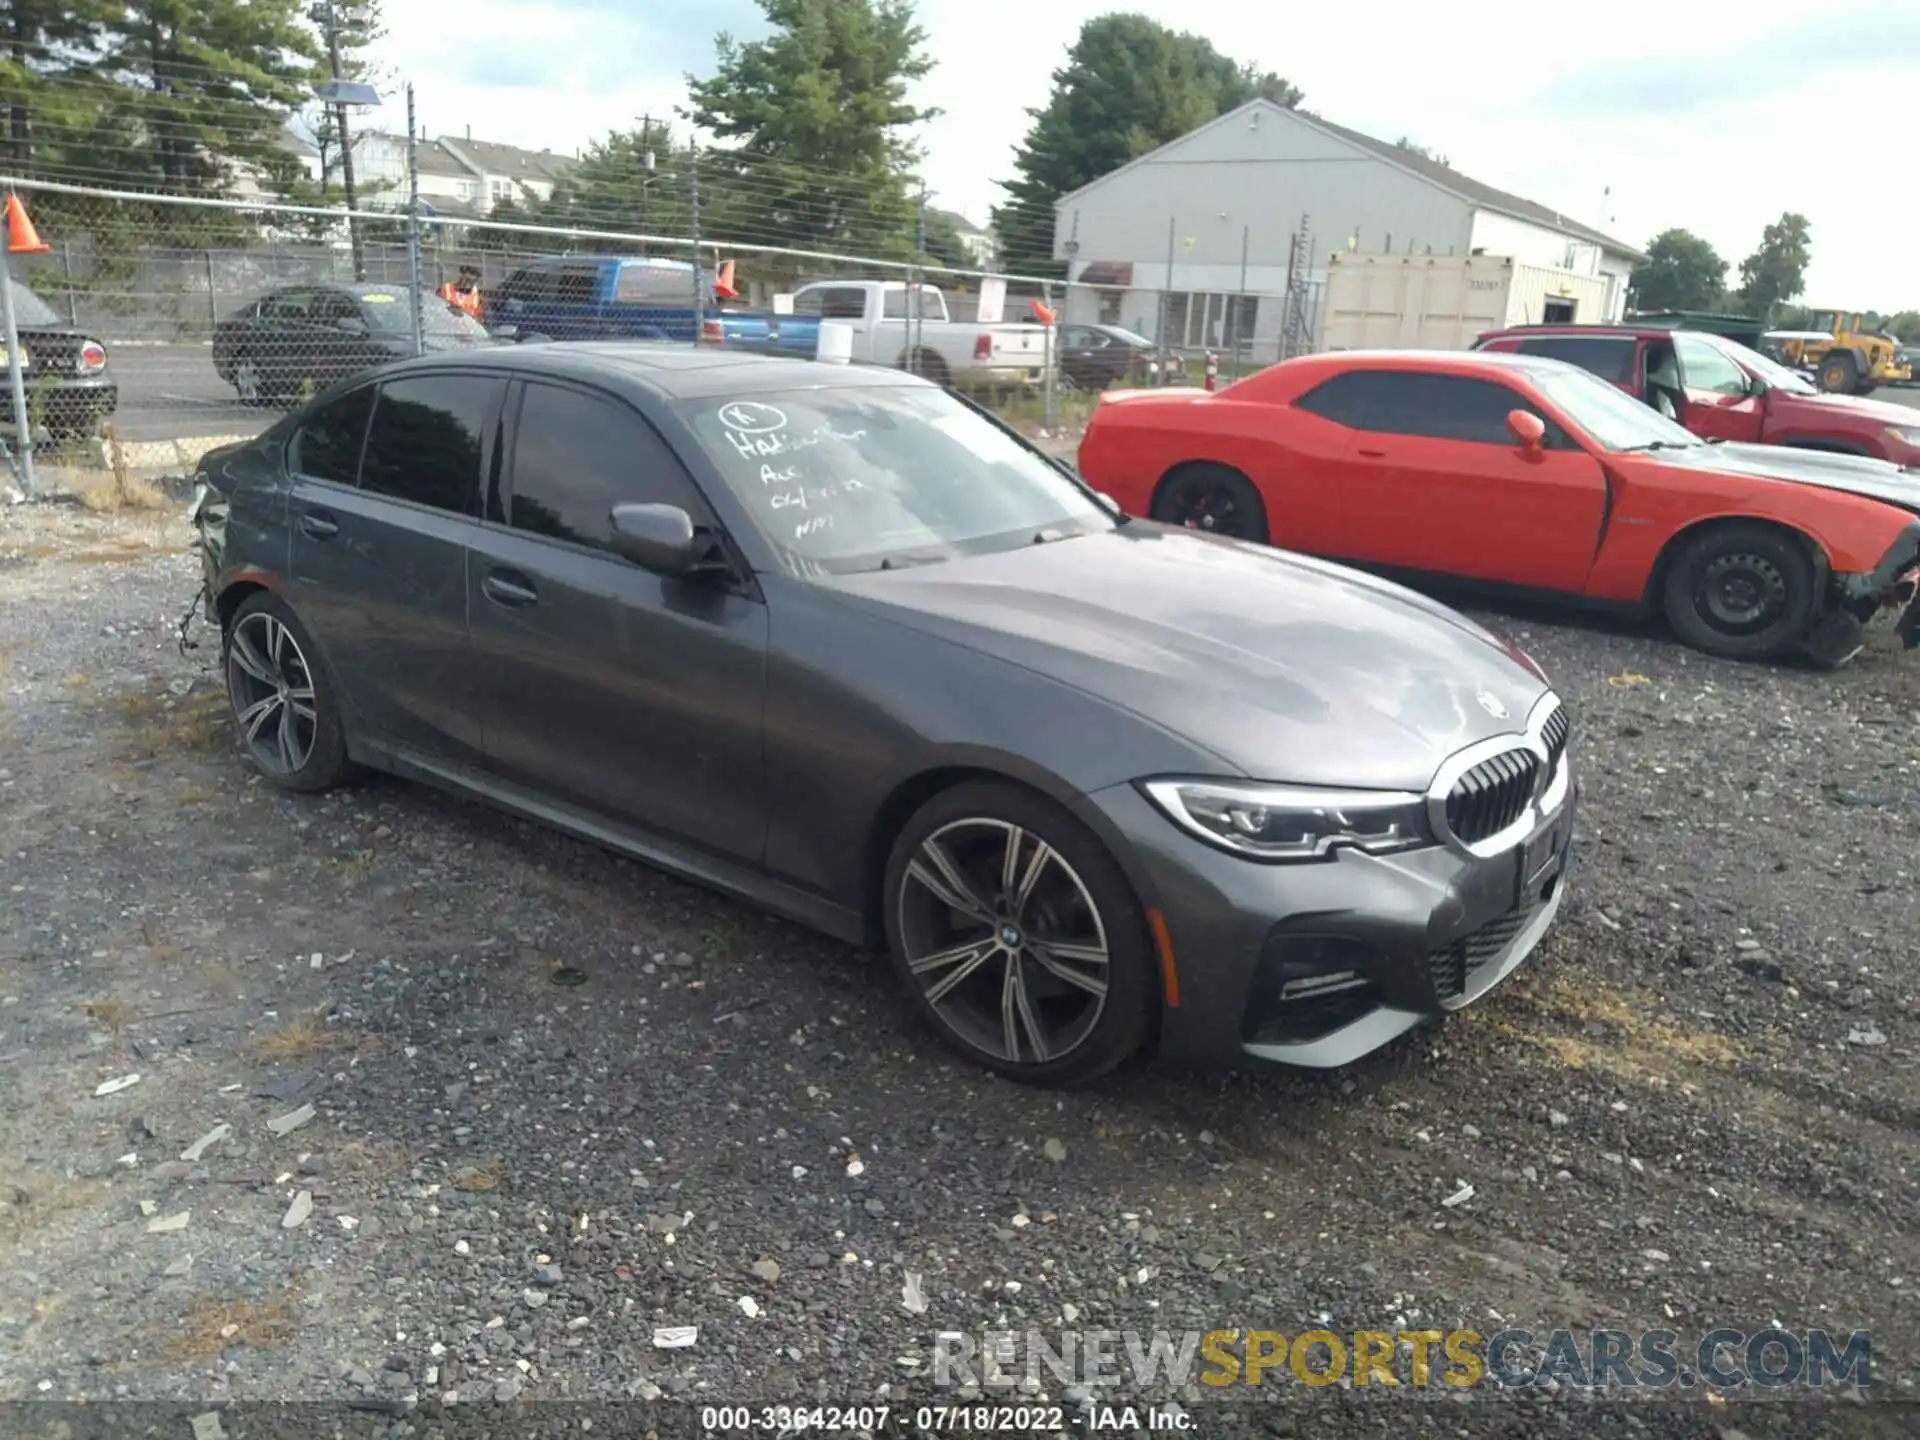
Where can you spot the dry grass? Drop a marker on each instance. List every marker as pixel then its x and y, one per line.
pixel 122 491
pixel 1620 1035
pixel 360 1160
pixel 475 1179
pixel 213 1325
pixel 297 1039
pixel 29 1201
pixel 158 722
pixel 111 1013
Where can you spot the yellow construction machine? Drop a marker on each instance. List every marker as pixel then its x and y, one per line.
pixel 1849 358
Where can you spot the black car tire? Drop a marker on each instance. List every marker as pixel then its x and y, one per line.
pixel 1748 557
pixel 319 752
pixel 1840 373
pixel 1078 868
pixel 1226 496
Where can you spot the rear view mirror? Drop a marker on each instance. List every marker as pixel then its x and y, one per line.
pixel 1529 429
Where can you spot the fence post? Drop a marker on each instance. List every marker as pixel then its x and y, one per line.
pixel 1240 325
pixel 699 273
pixel 916 279
pixel 16 382
pixel 1049 353
pixel 213 305
pixel 415 299
pixel 1166 302
pixel 73 301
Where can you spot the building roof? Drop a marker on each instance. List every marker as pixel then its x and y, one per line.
pixel 435 161
pixel 491 158
pixel 1474 192
pixel 957 220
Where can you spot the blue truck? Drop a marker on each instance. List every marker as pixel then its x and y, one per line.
pixel 590 297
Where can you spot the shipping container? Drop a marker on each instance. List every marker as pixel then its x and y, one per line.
pixel 1446 302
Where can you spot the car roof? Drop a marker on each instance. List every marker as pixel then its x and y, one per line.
pixel 666 369
pixel 1443 361
pixel 1624 332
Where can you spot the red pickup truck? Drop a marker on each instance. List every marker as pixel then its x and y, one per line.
pixel 1721 390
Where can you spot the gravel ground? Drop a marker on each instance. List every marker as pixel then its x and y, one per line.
pixel 1696 1107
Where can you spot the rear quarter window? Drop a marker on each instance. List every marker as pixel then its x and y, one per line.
pixel 1608 356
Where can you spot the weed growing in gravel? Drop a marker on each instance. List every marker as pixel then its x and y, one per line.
pixel 123 490
pixel 296 1040
pixel 29 1201
pixel 213 1325
pixel 109 1012
pixel 159 722
pixel 1619 1034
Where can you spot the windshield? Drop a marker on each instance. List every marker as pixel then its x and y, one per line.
pixel 1127 337
pixel 1613 418
pixel 30 309
pixel 1754 363
pixel 862 479
pixel 389 313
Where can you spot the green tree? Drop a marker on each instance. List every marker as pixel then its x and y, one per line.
pixel 203 85
pixel 1681 272
pixel 815 122
pixel 1905 327
pixel 944 245
pixel 1776 271
pixel 42 48
pixel 357 26
pixel 1129 86
pixel 614 187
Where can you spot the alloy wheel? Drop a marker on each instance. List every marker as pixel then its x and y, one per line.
pixel 1005 940
pixel 1737 594
pixel 271 687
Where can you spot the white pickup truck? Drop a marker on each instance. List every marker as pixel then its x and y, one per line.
pixel 963 354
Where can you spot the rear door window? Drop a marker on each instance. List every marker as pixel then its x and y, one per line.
pixel 428 440
pixel 1608 356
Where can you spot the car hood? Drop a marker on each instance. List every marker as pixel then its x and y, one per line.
pixel 439 344
pixel 1285 667
pixel 1856 474
pixel 1885 412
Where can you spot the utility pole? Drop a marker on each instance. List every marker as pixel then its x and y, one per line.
pixel 413 227
pixel 331 23
pixel 646 169
pixel 699 273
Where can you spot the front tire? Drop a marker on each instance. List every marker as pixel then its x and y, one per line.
pixel 1216 499
pixel 1839 373
pixel 1017 937
pixel 286 708
pixel 1740 592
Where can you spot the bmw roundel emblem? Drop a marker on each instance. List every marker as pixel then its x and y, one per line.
pixel 1491 704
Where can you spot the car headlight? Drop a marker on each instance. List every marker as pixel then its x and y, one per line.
pixel 1292 822
pixel 1905 434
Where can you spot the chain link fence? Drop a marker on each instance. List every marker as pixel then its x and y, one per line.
pixel 186 323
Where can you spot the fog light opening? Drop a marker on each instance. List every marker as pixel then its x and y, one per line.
pixel 1308 987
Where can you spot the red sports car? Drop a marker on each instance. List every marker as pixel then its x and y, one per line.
pixel 1528 473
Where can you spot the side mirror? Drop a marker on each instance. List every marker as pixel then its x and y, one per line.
pixel 1529 429
pixel 504 332
pixel 663 539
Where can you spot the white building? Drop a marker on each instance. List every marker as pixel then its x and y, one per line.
pixel 980 245
pixel 505 172
pixel 1261 197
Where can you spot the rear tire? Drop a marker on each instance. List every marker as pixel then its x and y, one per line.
pixel 286 706
pixel 928 365
pixel 1740 592
pixel 1214 499
pixel 986 865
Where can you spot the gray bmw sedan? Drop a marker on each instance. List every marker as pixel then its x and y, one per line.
pixel 836 642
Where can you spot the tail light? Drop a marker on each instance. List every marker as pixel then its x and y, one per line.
pixel 983 346
pixel 714 332
pixel 93 358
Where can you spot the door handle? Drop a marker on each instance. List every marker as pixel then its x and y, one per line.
pixel 509 588
pixel 319 525
pixel 1369 452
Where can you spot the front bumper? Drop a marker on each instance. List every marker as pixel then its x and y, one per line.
pixel 1856 599
pixel 1258 949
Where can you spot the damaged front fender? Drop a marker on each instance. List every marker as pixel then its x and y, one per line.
pixel 1855 599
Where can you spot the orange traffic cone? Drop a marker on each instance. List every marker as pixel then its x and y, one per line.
pixel 723 282
pixel 22 238
pixel 1042 313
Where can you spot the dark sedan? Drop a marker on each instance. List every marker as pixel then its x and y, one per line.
pixel 70 383
pixel 293 342
pixel 832 640
pixel 1096 356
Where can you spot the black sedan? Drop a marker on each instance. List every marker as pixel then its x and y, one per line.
pixel 832 640
pixel 293 342
pixel 70 383
pixel 1096 356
